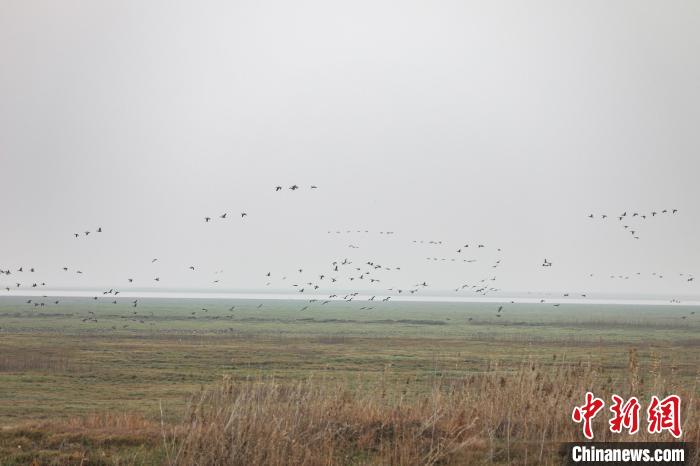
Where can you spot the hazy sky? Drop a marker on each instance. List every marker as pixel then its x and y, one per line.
pixel 497 122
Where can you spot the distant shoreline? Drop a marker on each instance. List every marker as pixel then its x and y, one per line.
pixel 358 298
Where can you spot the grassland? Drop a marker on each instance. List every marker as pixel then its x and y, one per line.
pixel 72 389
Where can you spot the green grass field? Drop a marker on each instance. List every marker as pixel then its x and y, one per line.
pixel 54 365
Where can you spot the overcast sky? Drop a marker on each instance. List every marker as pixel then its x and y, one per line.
pixel 497 122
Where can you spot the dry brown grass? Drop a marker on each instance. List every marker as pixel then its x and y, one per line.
pixel 36 362
pixel 518 417
pixel 502 415
pixel 96 439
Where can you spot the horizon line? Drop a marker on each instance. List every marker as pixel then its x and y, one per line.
pixel 359 297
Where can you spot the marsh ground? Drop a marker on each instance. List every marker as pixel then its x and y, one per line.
pixel 56 367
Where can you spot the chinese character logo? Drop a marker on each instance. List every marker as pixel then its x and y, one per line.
pixel 665 415
pixel 625 415
pixel 587 412
pixel 662 415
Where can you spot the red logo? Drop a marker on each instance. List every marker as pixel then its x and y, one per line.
pixel 661 415
pixel 586 412
pixel 625 415
pixel 665 415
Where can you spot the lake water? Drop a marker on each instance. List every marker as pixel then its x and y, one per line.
pixel 307 296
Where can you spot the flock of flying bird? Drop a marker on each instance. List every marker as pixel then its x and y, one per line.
pixel 361 274
pixel 626 221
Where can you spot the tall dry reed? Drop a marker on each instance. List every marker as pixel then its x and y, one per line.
pixel 517 417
